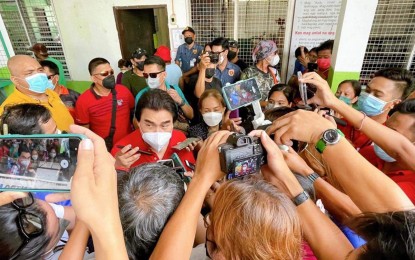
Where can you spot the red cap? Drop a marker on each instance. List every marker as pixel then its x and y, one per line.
pixel 40 49
pixel 164 53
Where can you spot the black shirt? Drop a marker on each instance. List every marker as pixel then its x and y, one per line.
pixel 241 64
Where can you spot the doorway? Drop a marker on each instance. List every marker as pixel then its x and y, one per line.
pixel 146 28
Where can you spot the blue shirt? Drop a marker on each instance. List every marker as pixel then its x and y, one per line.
pixel 298 67
pixel 187 56
pixel 230 74
pixel 174 73
pixel 177 88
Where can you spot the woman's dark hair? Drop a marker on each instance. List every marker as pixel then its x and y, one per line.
pixel 298 51
pixel 406 107
pixel 95 63
pixel 284 88
pixel 155 60
pixel 11 239
pixel 156 99
pixel 25 119
pixel 357 87
pixel 388 235
pixel 277 112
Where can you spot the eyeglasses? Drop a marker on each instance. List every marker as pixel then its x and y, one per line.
pixel 105 73
pixel 49 77
pixel 29 224
pixel 210 245
pixel 219 52
pixel 152 75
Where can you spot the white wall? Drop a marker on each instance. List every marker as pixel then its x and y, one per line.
pixel 88 29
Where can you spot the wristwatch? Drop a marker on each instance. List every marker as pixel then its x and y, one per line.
pixel 301 198
pixel 313 177
pixel 329 137
pixel 182 103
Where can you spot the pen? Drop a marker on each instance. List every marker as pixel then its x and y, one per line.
pixel 139 151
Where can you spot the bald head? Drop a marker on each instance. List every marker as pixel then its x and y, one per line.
pixel 22 65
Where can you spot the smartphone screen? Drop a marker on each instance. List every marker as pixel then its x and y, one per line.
pixel 29 163
pixel 241 93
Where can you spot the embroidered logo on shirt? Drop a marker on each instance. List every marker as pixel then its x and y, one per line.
pixel 231 72
pixel 119 102
pixel 194 51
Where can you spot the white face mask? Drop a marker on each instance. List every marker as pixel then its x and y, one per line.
pixel 153 83
pixel 34 157
pixel 25 163
pixel 157 140
pixel 221 58
pixel 52 155
pixel 275 60
pixel 212 118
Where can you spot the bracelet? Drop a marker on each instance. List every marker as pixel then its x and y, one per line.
pixel 361 122
pixel 301 198
pixel 313 177
pixel 182 103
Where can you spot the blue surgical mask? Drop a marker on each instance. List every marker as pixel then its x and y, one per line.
pixel 38 83
pixel 51 86
pixel 346 99
pixel 153 83
pixel 382 154
pixel 370 105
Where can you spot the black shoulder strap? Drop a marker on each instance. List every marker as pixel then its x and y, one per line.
pixel 109 140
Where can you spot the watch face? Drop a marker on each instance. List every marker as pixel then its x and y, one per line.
pixel 331 136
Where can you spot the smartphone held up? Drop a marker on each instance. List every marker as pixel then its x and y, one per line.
pixel 38 162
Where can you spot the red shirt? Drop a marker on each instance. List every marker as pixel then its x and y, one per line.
pixel 358 139
pixel 136 140
pixel 404 178
pixel 96 111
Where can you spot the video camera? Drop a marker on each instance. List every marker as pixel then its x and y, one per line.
pixel 241 155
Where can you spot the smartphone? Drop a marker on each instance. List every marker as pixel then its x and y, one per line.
pixel 180 167
pixel 312 67
pixel 168 163
pixel 190 165
pixel 38 162
pixel 303 90
pixel 241 93
pixel 185 143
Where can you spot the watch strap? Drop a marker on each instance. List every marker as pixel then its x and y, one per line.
pixel 182 103
pixel 301 198
pixel 313 177
pixel 321 144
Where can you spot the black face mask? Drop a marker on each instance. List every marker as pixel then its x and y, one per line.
pixel 109 82
pixel 140 65
pixel 188 40
pixel 231 55
pixel 210 72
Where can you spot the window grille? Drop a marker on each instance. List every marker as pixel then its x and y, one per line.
pixel 392 38
pixel 257 20
pixel 32 21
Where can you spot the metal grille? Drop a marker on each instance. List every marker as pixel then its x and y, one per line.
pixel 32 21
pixel 392 38
pixel 257 20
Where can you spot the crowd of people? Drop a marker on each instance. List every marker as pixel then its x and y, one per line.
pixel 150 179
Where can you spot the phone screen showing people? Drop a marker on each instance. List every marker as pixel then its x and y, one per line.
pixel 37 164
pixel 241 93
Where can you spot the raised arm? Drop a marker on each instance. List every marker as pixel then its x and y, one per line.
pixel 176 240
pixel 396 145
pixel 369 188
pixel 200 83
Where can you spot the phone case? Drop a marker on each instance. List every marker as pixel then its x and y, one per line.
pixel 185 143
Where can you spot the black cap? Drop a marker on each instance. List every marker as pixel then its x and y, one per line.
pixel 188 29
pixel 233 43
pixel 137 54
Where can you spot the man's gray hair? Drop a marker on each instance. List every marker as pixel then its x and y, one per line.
pixel 148 195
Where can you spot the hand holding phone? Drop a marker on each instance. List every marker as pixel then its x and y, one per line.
pixel 127 156
pixel 189 144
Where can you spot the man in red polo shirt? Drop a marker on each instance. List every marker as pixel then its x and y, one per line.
pixel 154 139
pixel 94 108
pixel 402 121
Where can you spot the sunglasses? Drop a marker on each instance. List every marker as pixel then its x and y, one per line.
pixel 50 77
pixel 105 73
pixel 29 224
pixel 152 75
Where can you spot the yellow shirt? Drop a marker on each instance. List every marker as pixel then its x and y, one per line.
pixel 55 105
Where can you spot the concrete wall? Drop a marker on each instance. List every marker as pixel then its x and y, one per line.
pixel 88 29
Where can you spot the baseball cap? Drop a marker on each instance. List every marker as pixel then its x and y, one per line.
pixel 233 43
pixel 188 29
pixel 164 53
pixel 137 54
